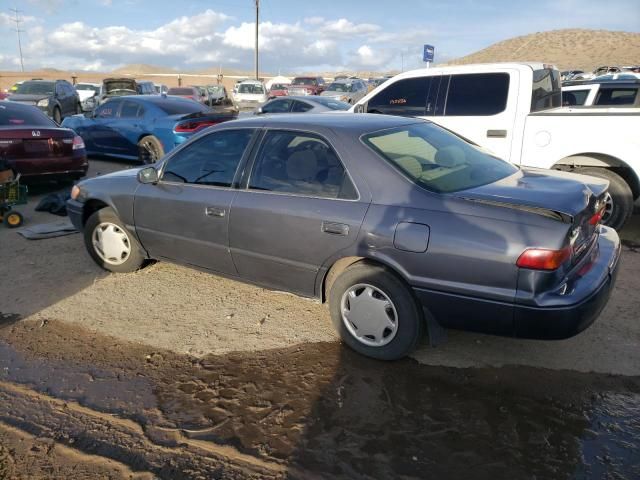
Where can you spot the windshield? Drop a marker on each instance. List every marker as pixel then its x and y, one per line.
pixel 304 81
pixel 180 91
pixel 87 87
pixel 251 88
pixel 437 159
pixel 216 89
pixel 278 86
pixel 36 88
pixel 177 106
pixel 332 104
pixel 17 115
pixel 339 87
pixel 119 87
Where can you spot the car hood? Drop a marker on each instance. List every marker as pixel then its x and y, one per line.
pixel 562 193
pixel 23 97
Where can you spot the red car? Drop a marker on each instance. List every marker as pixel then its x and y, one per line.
pixel 307 86
pixel 192 93
pixel 36 147
pixel 278 90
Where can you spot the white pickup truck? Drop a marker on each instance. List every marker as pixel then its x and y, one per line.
pixel 514 110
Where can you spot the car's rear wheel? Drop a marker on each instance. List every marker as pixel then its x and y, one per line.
pixel 57 115
pixel 375 313
pixel 150 149
pixel 110 244
pixel 619 206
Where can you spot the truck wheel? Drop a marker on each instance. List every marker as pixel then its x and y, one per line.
pixel 150 149
pixel 110 244
pixel 620 201
pixel 375 313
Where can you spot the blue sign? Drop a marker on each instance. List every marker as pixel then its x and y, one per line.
pixel 429 50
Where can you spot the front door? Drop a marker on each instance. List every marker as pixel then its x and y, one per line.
pixel 185 216
pixel 300 208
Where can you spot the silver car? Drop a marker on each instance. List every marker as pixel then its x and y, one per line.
pixel 347 90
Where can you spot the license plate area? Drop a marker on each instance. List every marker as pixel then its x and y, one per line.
pixel 36 146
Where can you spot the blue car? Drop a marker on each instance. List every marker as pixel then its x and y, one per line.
pixel 142 127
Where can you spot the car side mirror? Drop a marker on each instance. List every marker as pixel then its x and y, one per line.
pixel 148 175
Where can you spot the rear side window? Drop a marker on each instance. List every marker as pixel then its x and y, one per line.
pixel 404 97
pixel 300 164
pixel 477 94
pixel 277 106
pixel 616 96
pixel 574 97
pixel 131 110
pixel 301 107
pixel 547 92
pixel 211 160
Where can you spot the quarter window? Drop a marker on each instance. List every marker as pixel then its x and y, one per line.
pixel 108 109
pixel 302 164
pixel 130 110
pixel 211 160
pixel 477 94
pixel 404 97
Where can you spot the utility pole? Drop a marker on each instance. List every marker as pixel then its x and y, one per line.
pixel 257 23
pixel 16 19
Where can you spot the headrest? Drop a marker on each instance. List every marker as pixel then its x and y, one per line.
pixel 450 156
pixel 302 165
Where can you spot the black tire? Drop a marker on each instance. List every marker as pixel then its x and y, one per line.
pixel 621 196
pixel 136 257
pixel 410 322
pixel 13 219
pixel 150 149
pixel 57 115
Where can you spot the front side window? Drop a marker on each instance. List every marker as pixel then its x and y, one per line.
pixel 477 94
pixel 108 109
pixel 547 90
pixel 404 97
pixel 210 160
pixel 436 159
pixel 301 107
pixel 300 164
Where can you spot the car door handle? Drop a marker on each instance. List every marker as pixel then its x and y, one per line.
pixel 496 134
pixel 334 228
pixel 214 212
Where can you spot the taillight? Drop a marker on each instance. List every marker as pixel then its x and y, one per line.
pixel 190 127
pixel 78 143
pixel 543 259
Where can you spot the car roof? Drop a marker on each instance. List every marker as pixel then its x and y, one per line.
pixel 155 99
pixel 355 124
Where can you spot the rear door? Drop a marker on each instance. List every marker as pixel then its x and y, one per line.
pixel 299 208
pixel 102 134
pixel 480 107
pixel 185 216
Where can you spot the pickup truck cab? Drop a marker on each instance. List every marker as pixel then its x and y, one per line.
pixel 515 111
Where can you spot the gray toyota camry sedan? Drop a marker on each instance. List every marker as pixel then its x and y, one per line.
pixel 398 224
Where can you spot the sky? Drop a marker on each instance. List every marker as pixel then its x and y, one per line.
pixel 295 35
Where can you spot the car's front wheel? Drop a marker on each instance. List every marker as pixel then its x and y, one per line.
pixel 375 313
pixel 110 244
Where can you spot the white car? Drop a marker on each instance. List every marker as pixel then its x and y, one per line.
pixel 250 94
pixel 515 110
pixel 619 94
pixel 88 91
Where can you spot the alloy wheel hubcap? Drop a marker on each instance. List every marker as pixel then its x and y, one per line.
pixel 369 315
pixel 608 208
pixel 151 155
pixel 111 243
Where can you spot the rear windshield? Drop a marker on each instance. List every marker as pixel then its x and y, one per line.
pixel 547 92
pixel 437 159
pixel 251 88
pixel 279 86
pixel 180 91
pixel 304 81
pixel 17 115
pixel 178 106
pixel 36 88
pixel 332 104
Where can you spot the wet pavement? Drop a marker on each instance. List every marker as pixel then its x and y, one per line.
pixel 312 411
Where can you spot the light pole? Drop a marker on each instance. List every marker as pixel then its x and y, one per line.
pixel 257 23
pixel 18 31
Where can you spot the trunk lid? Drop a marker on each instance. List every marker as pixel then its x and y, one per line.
pixel 20 143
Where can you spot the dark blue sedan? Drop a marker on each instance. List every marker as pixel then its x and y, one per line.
pixel 142 127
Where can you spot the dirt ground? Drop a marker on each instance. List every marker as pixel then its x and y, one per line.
pixel 174 373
